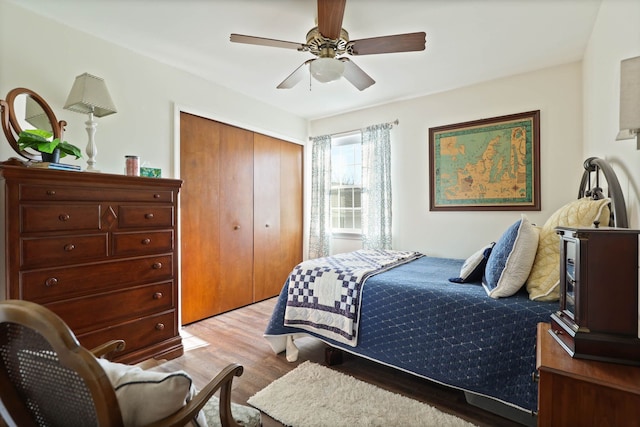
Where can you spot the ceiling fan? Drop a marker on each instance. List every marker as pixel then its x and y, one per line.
pixel 329 40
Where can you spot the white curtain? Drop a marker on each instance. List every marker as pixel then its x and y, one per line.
pixel 320 227
pixel 376 187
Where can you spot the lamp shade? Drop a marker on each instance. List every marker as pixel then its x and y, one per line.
pixel 629 97
pixel 326 70
pixel 89 94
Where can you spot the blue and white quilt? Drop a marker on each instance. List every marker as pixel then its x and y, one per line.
pixel 414 319
pixel 324 294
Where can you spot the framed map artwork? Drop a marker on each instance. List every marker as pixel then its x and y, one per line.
pixel 488 164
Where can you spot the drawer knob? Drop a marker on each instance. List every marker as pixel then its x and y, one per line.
pixel 157 265
pixel 157 295
pixel 64 217
pixel 156 196
pixel 69 247
pixel 51 192
pixel 51 281
pixel 535 376
pixel 148 216
pixel 266 225
pixel 146 241
pixel 236 227
pixel 557 331
pixel 159 326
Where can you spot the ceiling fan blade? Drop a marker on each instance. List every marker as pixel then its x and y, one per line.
pixel 356 75
pixel 330 14
pixel 388 44
pixel 295 77
pixel 261 41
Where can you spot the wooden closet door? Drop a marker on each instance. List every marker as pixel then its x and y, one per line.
pixel 278 213
pixel 266 237
pixel 199 216
pixel 236 219
pixel 216 166
pixel 291 209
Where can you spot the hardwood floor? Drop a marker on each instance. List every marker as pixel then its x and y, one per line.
pixel 236 336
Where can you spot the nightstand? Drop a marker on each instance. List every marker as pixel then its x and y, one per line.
pixel 575 392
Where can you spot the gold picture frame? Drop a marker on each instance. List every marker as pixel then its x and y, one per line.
pixel 486 165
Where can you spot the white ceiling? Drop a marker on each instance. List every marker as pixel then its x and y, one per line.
pixel 468 41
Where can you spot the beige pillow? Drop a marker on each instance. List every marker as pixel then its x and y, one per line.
pixel 544 278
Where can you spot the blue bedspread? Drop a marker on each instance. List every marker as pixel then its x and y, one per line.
pixel 414 319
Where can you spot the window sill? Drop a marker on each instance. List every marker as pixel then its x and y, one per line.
pixel 347 236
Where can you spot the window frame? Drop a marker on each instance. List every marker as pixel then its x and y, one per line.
pixel 351 138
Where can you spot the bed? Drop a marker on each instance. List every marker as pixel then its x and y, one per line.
pixel 466 332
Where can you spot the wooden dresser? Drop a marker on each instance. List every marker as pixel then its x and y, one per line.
pixel 579 392
pixel 97 249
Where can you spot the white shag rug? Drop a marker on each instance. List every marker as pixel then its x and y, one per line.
pixel 315 396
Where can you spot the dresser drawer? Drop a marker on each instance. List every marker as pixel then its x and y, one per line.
pixel 61 217
pixel 145 216
pixel 561 333
pixel 47 285
pixel 114 307
pixel 46 251
pixel 55 192
pixel 142 242
pixel 137 334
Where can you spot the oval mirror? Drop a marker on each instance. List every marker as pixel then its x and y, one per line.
pixel 24 109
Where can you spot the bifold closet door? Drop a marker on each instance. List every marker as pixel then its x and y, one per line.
pixel 236 219
pixel 291 210
pixel 216 213
pixel 277 213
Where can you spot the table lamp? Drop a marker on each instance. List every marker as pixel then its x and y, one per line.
pixel 89 95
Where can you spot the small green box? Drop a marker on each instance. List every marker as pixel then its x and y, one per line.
pixel 151 172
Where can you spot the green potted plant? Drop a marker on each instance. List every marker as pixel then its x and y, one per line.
pixel 51 149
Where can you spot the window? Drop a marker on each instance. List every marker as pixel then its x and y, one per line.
pixel 346 184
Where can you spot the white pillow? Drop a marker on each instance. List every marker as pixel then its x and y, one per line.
pixel 147 396
pixel 473 267
pixel 511 258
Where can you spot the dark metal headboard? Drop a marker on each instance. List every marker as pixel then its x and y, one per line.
pixel 614 192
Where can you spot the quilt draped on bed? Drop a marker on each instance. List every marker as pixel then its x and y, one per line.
pixel 324 294
pixel 414 319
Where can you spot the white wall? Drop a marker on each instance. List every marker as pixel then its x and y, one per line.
pixel 556 92
pixel 616 36
pixel 45 56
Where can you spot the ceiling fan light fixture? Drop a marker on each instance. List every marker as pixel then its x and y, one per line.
pixel 329 42
pixel 326 70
